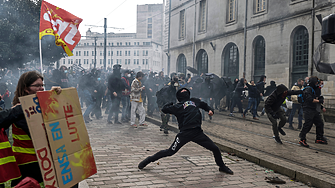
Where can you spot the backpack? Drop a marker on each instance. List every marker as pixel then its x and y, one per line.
pixel 301 96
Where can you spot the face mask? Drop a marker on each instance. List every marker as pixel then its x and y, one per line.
pixel 128 75
pixel 65 71
pixel 176 84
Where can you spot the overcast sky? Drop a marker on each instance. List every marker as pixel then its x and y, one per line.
pixel 119 13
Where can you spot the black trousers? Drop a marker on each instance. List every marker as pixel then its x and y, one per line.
pixel 236 101
pixel 195 135
pixel 115 109
pixel 312 117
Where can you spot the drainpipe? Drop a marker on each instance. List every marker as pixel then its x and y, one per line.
pixel 169 55
pixel 245 38
pixel 313 38
pixel 195 30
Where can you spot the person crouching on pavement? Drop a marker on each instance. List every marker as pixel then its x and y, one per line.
pixel 189 123
pixel 137 101
pixel 312 108
pixel 274 112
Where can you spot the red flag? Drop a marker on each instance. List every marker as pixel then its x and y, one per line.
pixel 62 24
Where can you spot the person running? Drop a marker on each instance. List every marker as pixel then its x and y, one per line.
pixel 189 123
pixel 274 112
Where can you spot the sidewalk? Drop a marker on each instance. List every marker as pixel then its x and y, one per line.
pixel 252 140
pixel 119 148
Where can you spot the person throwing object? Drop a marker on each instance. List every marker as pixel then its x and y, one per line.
pixel 189 123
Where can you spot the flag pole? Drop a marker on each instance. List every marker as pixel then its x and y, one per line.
pixel 40 44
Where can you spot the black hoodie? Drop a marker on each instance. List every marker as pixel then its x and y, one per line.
pixel 187 110
pixel 276 99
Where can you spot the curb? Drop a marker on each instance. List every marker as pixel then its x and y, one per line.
pixel 294 171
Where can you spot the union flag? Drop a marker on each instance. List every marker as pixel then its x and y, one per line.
pixel 61 24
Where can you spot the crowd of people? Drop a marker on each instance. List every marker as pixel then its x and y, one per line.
pixel 188 99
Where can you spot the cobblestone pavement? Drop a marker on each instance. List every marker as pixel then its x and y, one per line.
pixel 119 148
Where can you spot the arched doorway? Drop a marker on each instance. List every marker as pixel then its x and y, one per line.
pixel 300 54
pixel 181 64
pixel 202 61
pixel 259 58
pixel 230 60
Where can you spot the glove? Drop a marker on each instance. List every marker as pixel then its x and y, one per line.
pixel 275 116
pixel 321 99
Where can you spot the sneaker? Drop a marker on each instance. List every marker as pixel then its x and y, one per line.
pixel 144 163
pixel 117 122
pixel 321 141
pixel 225 169
pixel 143 125
pixel 303 143
pixel 281 131
pixel 134 125
pixel 277 139
pixel 255 118
pixel 231 115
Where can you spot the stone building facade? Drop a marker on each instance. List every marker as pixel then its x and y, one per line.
pixel 136 51
pixel 250 38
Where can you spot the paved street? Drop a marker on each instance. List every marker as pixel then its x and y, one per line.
pixel 119 148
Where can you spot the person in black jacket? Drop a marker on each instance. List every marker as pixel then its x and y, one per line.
pixel 253 95
pixel 167 95
pixel 274 112
pixel 115 86
pixel 311 109
pixel 238 96
pixel 189 123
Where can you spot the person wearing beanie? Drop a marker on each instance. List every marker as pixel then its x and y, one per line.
pixel 189 123
pixel 274 112
pixel 311 109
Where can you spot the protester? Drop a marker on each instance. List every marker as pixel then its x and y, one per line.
pixel 252 100
pixel 189 123
pixel 238 96
pixel 29 83
pixel 296 105
pixel 260 87
pixel 312 107
pixel 167 95
pixel 137 101
pixel 115 87
pixel 125 97
pixel 274 112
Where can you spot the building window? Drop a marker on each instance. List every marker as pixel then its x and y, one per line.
pixel 63 61
pixel 259 58
pixel 232 10
pixel 149 20
pixel 138 53
pixel 202 16
pixel 120 53
pixel 231 61
pixel 134 61
pixel 72 61
pixel 100 53
pixel 146 53
pixel 126 52
pixel 109 61
pixel 76 61
pixel 129 52
pixel 120 43
pixel 112 53
pixel 260 6
pixel 117 53
pixel 202 61
pixel 92 61
pixel 181 66
pixel 182 25
pixel 300 54
pixel 100 61
pixel 92 53
pixel 143 61
pixel 109 53
pixel 84 52
pixel 112 61
pixel 138 61
pixel 146 61
pixel 143 52
pixel 117 44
